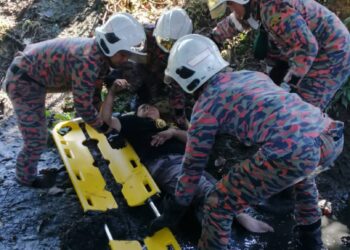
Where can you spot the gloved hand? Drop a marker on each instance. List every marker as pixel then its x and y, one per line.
pixel 115 139
pixel 172 213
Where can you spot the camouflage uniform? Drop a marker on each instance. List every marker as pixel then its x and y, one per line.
pixel 296 142
pixel 316 42
pixel 56 65
pixel 147 81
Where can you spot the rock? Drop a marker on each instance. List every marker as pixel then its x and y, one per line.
pixel 55 191
pixel 9 166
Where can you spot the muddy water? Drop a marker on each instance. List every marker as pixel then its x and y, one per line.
pixel 43 219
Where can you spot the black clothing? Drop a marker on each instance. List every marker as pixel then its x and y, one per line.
pixel 139 131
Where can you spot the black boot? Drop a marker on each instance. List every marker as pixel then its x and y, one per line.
pixel 46 179
pixel 309 237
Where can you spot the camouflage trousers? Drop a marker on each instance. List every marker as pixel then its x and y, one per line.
pixel 256 179
pixel 166 170
pixel 28 101
pixel 323 81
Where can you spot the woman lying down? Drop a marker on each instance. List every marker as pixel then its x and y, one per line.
pixel 161 149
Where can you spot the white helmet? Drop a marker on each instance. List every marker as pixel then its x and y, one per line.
pixel 192 61
pixel 217 8
pixel 121 32
pixel 172 25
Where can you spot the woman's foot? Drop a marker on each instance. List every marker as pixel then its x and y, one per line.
pixel 253 225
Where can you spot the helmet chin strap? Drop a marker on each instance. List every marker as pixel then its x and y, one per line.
pixel 247 11
pixel 199 91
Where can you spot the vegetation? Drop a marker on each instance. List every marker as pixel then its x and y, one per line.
pixel 54 118
pixel 343 96
pixel 238 50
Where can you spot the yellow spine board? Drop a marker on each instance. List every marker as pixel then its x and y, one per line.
pixel 86 178
pixel 127 170
pixel 161 240
pixel 125 245
pixel 125 165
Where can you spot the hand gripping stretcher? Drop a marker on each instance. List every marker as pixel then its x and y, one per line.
pixel 138 185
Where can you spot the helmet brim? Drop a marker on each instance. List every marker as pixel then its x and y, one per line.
pixel 138 58
pixel 218 11
pixel 139 53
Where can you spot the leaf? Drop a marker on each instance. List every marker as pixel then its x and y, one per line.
pixel 48 113
pixel 62 116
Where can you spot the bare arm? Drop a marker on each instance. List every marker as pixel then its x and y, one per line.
pixel 165 135
pixel 107 106
pixel 180 134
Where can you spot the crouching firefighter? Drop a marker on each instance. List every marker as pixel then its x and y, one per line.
pixel 59 65
pixel 297 141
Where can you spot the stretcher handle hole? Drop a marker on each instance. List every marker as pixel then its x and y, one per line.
pixel 170 247
pixel 78 177
pixel 148 187
pixel 64 130
pixel 89 201
pixel 133 163
pixel 67 152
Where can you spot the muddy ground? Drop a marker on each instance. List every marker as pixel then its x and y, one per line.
pixel 53 219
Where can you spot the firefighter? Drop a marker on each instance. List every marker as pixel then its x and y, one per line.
pixel 145 78
pixel 311 38
pixel 297 141
pixel 308 47
pixel 160 147
pixel 62 64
